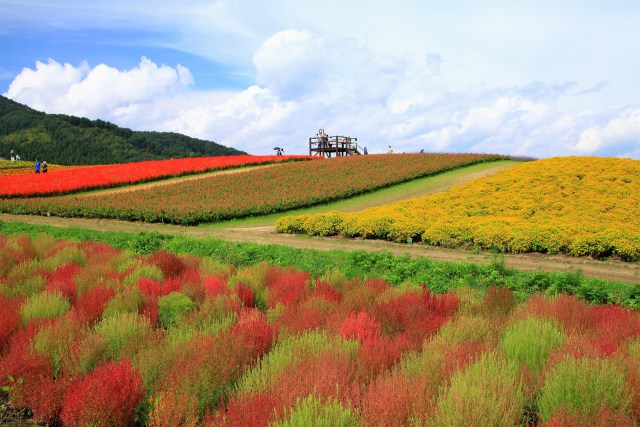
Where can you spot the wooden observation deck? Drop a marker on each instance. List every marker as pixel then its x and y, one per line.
pixel 326 146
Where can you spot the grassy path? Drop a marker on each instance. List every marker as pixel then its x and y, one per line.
pixel 416 188
pixel 260 230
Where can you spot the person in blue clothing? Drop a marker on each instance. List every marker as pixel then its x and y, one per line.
pixel 365 151
pixel 37 166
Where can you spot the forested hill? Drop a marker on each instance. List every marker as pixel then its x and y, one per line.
pixel 69 140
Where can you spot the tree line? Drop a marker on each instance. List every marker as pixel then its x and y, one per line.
pixel 71 140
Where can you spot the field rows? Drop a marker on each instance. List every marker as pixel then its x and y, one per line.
pixel 257 192
pixel 93 335
pixel 576 205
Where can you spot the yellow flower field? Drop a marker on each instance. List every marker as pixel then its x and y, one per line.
pixel 576 205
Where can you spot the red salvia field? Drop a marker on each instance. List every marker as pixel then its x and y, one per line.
pixel 90 335
pixel 70 179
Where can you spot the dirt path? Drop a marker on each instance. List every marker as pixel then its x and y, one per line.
pixel 607 269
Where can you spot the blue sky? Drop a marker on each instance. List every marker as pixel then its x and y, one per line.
pixel 536 78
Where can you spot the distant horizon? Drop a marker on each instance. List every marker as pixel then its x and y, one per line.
pixel 537 80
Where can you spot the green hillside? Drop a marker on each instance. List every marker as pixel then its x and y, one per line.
pixel 70 140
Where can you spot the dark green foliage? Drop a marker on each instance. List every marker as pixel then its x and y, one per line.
pixel 147 242
pixel 70 140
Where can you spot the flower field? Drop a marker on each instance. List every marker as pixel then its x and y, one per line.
pixel 90 335
pixel 257 192
pixel 9 168
pixel 575 205
pixel 76 178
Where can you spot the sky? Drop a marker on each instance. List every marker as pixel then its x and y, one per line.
pixel 529 78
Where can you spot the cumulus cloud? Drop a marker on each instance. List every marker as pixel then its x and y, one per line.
pixel 621 133
pixel 305 82
pixel 98 92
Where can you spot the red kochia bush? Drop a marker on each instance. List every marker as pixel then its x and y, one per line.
pixel 254 330
pixel 9 319
pixel 416 315
pixel 326 291
pixel 326 375
pixel 245 294
pixel 285 286
pixel 106 397
pixel 393 398
pixel 215 286
pixel 247 410
pixel 170 264
pixel 361 326
pixel 61 279
pixel 91 304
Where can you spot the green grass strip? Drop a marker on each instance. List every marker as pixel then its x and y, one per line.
pixel 436 275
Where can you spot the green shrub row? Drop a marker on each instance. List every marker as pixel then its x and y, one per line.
pixel 437 276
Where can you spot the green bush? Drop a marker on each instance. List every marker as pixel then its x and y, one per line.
pixel 147 242
pixel 128 301
pixel 487 392
pixel 68 255
pixel 45 305
pixel 311 411
pixel 530 341
pixel 582 386
pixel 124 333
pixel 172 307
pixel 148 271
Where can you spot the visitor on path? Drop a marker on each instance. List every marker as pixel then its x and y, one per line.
pixel 390 150
pixel 45 168
pixel 37 166
pixel 17 157
pixel 365 151
pixel 12 156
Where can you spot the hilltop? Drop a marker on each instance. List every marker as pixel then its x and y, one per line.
pixel 70 140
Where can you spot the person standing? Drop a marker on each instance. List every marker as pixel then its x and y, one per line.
pixel 12 156
pixel 365 151
pixel 390 150
pixel 45 167
pixel 37 166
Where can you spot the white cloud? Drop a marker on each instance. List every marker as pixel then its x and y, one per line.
pixel 291 63
pixel 98 92
pixel 306 82
pixel 621 133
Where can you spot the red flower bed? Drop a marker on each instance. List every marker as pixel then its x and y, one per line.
pixel 256 192
pixel 101 176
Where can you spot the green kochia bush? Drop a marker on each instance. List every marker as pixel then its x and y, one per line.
pixel 287 352
pixel 148 271
pixel 530 341
pixel 487 393
pixel 123 332
pixel 583 386
pixel 311 411
pixel 45 305
pixel 172 307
